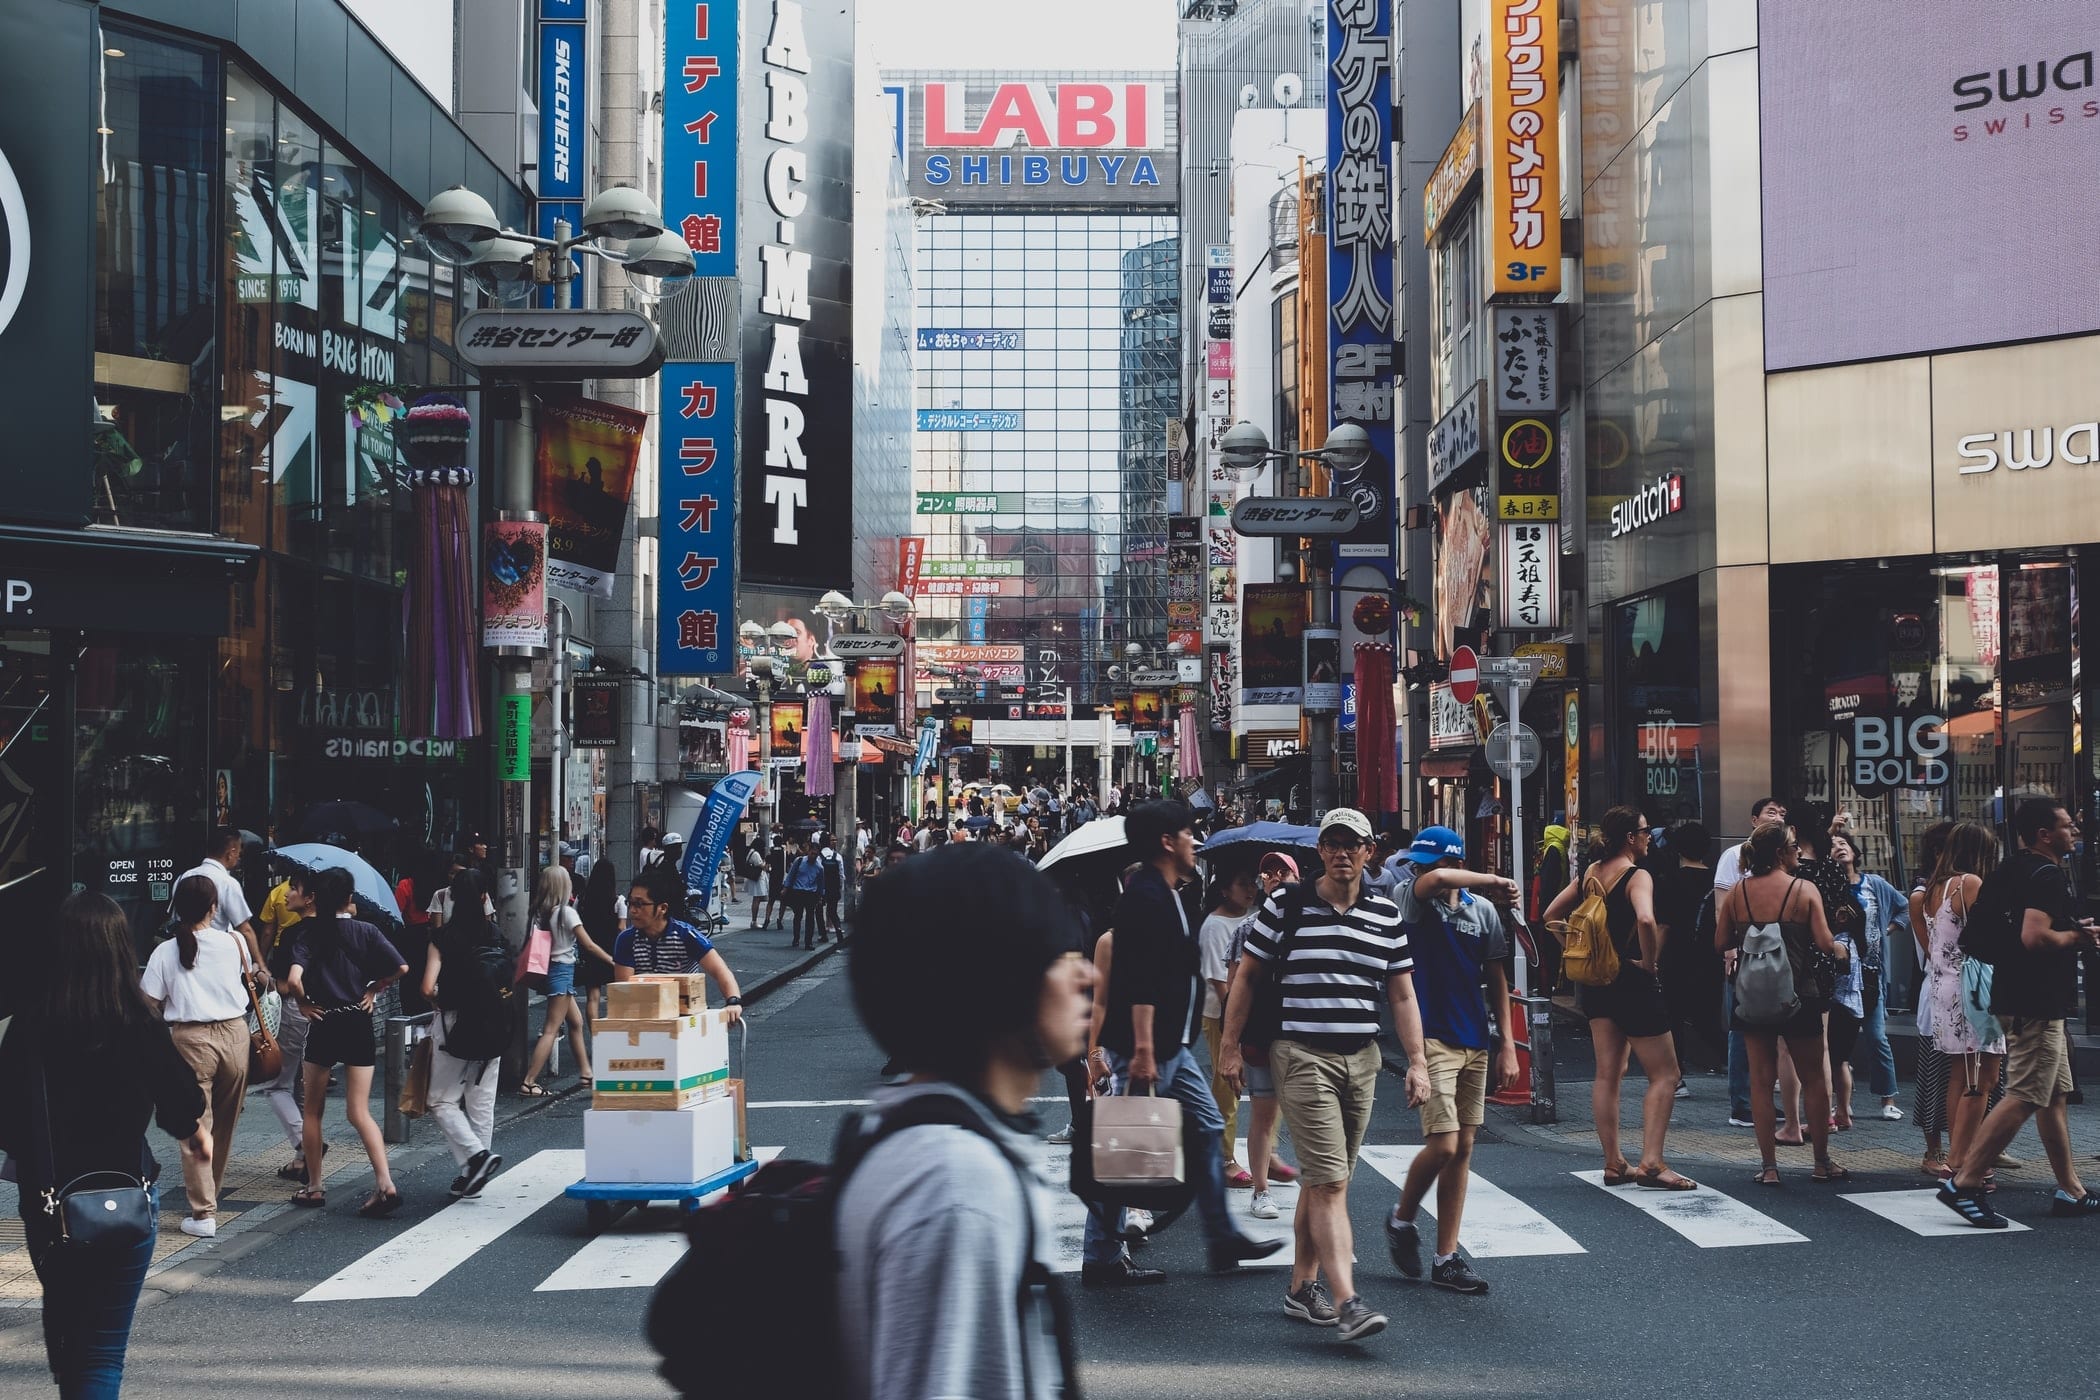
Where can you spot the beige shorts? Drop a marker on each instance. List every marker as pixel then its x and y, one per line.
pixel 1458 1086
pixel 2037 1060
pixel 1326 1099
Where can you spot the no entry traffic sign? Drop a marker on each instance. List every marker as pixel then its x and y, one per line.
pixel 1465 675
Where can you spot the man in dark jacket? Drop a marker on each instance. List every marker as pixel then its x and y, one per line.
pixel 1154 1003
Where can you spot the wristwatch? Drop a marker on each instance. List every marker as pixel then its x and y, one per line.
pixel 732 1001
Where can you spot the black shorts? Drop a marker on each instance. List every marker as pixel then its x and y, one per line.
pixel 342 1037
pixel 1634 1003
pixel 1844 1033
pixel 1804 1024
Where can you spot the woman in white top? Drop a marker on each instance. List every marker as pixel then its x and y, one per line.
pixel 1971 854
pixel 552 911
pixel 194 980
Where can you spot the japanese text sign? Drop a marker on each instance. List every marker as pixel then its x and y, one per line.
pixel 1527 365
pixel 1520 148
pixel 696 520
pixel 700 83
pixel 1360 250
pixel 1527 468
pixel 1527 577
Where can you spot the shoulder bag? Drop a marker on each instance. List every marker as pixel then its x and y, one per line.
pixel 265 1055
pixel 95 1211
pixel 1265 1017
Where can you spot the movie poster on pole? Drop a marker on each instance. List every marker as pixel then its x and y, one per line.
pixel 514 584
pixel 587 452
pixel 1272 628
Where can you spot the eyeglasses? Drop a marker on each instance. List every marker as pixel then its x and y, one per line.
pixel 1344 847
pixel 646 904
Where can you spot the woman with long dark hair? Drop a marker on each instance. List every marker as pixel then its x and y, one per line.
pixel 1971 854
pixel 1629 1014
pixel 602 909
pixel 196 982
pixel 340 965
pixel 1774 893
pixel 1929 1105
pixel 84 1067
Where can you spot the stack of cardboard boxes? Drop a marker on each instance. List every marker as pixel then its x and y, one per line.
pixel 663 1107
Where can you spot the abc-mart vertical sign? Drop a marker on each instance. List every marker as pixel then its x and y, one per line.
pixel 1103 139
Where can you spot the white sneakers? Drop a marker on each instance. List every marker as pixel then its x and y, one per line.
pixel 204 1229
pixel 1262 1206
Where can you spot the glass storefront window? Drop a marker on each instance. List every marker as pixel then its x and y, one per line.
pixel 1920 691
pixel 1664 763
pixel 156 279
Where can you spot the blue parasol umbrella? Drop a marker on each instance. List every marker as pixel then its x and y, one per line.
pixel 375 897
pixel 1259 838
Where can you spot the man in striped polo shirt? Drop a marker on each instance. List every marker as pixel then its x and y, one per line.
pixel 1340 948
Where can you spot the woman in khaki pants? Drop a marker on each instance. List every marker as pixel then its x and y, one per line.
pixel 195 981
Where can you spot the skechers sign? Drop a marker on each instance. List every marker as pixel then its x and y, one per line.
pixel 1660 497
pixel 561 103
pixel 1083 142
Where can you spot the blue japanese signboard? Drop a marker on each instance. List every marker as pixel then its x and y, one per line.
pixel 562 109
pixel 1360 322
pixel 700 83
pixel 696 520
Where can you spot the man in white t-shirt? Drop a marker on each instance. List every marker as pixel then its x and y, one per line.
pixel 222 856
pixel 1218 945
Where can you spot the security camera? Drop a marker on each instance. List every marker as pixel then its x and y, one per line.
pixel 1249 95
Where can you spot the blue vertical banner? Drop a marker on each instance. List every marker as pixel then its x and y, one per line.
pixel 1360 237
pixel 724 808
pixel 700 83
pixel 562 109
pixel 696 520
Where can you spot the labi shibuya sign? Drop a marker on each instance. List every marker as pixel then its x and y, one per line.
pixel 1086 139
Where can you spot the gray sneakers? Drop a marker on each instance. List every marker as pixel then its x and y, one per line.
pixel 1404 1242
pixel 1457 1276
pixel 1308 1302
pixel 1357 1321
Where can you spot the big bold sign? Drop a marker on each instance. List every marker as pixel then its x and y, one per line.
pixel 1360 329
pixel 1520 141
pixel 1079 140
pixel 696 521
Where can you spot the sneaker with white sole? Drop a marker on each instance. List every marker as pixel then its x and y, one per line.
pixel 1062 1137
pixel 1892 1113
pixel 1136 1223
pixel 1263 1206
pixel 1308 1302
pixel 480 1168
pixel 1356 1320
pixel 1457 1276
pixel 1744 1121
pixel 1684 1090
pixel 204 1229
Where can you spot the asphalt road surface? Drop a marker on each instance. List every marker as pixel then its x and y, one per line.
pixel 1864 1289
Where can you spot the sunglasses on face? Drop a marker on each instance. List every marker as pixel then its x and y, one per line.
pixel 1343 847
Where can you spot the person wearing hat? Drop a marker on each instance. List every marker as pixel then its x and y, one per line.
pixel 1455 931
pixel 1335 949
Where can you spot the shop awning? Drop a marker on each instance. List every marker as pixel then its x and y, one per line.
pixel 101 578
pixel 891 748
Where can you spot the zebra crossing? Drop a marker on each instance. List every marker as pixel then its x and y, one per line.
pixel 642 1247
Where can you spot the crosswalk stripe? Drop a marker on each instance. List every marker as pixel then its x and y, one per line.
pixel 635 1253
pixel 1919 1213
pixel 1497 1225
pixel 1705 1216
pixel 1067 1213
pixel 419 1256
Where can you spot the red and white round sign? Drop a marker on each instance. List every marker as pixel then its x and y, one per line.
pixel 1465 675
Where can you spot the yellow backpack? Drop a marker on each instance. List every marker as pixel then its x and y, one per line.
pixel 1587 954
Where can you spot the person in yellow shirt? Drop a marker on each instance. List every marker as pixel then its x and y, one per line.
pixel 276 917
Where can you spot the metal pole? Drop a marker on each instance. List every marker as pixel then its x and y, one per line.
pixel 846 784
pixel 1070 720
pixel 557 750
pixel 1321 726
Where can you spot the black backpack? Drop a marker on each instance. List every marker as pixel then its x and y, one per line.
pixel 775 1237
pixel 476 992
pixel 1991 932
pixel 834 870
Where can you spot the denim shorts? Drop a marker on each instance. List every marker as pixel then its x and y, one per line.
pixel 1261 1082
pixel 561 979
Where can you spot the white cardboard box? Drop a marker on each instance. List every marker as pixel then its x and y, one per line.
pixel 682 1145
pixel 673 1062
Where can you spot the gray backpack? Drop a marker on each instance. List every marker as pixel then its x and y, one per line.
pixel 1765 994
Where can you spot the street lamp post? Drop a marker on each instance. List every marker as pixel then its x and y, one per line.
pixel 460 227
pixel 1245 449
pixel 837 609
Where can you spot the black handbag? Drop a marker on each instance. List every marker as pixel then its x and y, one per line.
pixel 94 1211
pixel 1265 1017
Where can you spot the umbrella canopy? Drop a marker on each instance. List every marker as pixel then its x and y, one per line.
pixel 331 821
pixel 1259 838
pixel 1100 838
pixel 375 897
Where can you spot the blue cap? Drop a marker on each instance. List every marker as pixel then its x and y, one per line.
pixel 1435 843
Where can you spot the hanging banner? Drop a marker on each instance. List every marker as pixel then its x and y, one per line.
pixel 911 563
pixel 724 808
pixel 787 730
pixel 1272 628
pixel 699 133
pixel 696 521
pixel 595 704
pixel 875 698
pixel 588 452
pixel 1360 327
pixel 1520 148
pixel 514 584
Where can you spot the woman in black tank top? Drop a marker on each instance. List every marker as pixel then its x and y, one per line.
pixel 1629 1013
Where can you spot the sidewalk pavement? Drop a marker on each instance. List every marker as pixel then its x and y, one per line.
pixel 253 1194
pixel 1699 1131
